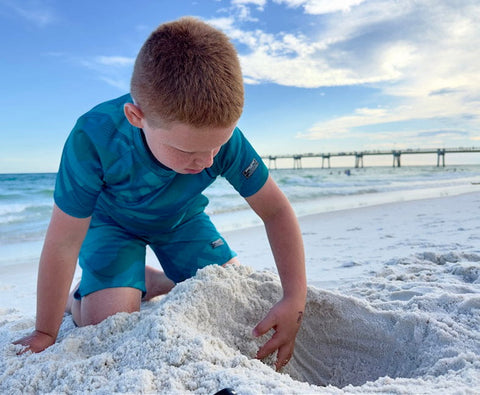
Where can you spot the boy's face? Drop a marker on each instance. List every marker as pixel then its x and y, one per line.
pixel 186 149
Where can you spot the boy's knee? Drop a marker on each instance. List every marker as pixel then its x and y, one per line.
pixel 233 261
pixel 97 306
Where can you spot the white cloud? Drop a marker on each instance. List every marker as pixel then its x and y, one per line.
pixel 445 107
pixel 290 59
pixel 259 3
pixel 118 61
pixel 121 83
pixel 114 70
pixel 339 126
pixel 39 15
pixel 242 8
pixel 318 7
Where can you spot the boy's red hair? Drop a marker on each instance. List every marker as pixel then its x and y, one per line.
pixel 189 72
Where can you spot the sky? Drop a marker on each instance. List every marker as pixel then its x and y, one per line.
pixel 320 75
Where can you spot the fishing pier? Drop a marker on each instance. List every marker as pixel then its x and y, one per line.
pixel 359 155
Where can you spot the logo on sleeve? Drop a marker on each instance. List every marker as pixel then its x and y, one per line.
pixel 247 173
pixel 217 243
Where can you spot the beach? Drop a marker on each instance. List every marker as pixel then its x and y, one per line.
pixel 393 306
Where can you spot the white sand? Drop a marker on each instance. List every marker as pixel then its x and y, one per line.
pixel 393 307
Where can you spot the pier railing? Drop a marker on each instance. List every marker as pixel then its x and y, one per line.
pixel 358 155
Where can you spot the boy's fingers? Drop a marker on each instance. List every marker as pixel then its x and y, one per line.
pixel 35 342
pixel 283 340
pixel 268 348
pixel 284 355
pixel 25 342
pixel 263 326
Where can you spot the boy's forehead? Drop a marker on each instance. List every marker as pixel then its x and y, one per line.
pixel 190 138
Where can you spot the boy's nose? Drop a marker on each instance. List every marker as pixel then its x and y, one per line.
pixel 206 159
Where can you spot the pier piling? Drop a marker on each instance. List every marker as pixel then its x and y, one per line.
pixel 396 158
pixel 297 162
pixel 327 157
pixel 358 159
pixel 272 159
pixel 441 153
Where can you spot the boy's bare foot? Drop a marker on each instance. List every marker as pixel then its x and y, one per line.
pixel 68 307
pixel 156 282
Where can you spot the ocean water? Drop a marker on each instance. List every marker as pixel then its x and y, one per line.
pixel 26 199
pixel 316 190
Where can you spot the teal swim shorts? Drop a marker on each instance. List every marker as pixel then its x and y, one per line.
pixel 113 257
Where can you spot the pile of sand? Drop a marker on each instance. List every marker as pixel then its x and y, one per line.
pixel 198 339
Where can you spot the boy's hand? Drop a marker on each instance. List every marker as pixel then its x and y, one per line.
pixel 37 341
pixel 285 318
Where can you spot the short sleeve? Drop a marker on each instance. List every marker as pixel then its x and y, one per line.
pixel 79 179
pixel 242 166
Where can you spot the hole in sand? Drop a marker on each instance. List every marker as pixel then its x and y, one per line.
pixel 343 342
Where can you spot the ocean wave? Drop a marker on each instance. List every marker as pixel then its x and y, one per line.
pixel 20 212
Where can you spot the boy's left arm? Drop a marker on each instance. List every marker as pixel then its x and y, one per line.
pixel 286 243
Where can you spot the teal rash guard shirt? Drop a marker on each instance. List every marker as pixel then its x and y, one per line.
pixel 107 167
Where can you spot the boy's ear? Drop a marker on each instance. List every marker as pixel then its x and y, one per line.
pixel 133 114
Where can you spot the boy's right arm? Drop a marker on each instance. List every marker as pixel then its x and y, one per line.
pixel 63 240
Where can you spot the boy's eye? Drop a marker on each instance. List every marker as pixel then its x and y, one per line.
pixel 181 151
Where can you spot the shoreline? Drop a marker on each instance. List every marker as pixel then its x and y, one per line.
pixel 237 220
pixel 251 245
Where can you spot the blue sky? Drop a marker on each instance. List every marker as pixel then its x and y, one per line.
pixel 320 75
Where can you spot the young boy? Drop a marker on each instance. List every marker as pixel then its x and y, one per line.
pixel 132 173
